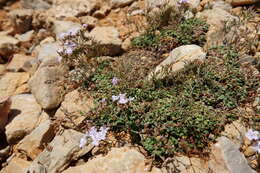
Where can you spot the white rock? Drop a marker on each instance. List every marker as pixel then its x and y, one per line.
pixel 65 148
pixel 32 143
pixel 60 27
pixel 13 83
pixel 118 160
pixel 24 117
pixel 16 165
pixel 17 62
pixel 120 3
pixel 178 59
pixel 44 85
pixel 226 158
pixel 109 38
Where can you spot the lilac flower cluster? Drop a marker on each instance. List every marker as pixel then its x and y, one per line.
pixel 95 135
pixel 254 136
pixel 68 46
pixel 115 81
pixel 122 99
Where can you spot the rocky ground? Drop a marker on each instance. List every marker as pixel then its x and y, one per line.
pixel 38 113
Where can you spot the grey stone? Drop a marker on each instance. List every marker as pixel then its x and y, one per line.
pixel 32 143
pixel 44 85
pixel 24 117
pixel 120 3
pixel 64 148
pixel 178 59
pixel 60 27
pixel 35 4
pixel 226 158
pixel 109 38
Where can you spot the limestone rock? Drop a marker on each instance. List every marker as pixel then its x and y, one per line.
pixel 21 20
pixel 48 51
pixel 178 59
pixel 120 3
pixel 17 62
pixel 235 132
pixel 26 37
pixel 185 164
pixel 60 27
pixel 242 2
pixel 32 144
pixel 226 158
pixel 35 4
pixel 216 18
pixel 5 104
pixel 68 8
pixel 109 38
pixel 13 83
pixel 16 165
pixel 65 147
pixel 119 160
pixel 72 106
pixel 24 117
pixel 44 85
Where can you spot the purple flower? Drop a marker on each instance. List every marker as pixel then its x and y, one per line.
pixel 114 80
pixel 183 1
pixel 115 98
pixel 85 25
pixel 95 135
pixel 252 135
pixel 104 100
pixel 122 99
pixel 69 50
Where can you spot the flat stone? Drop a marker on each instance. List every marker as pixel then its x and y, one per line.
pixel 28 36
pixel 17 62
pixel 24 117
pixel 16 165
pixel 75 8
pixel 178 59
pixel 48 51
pixel 73 106
pixel 109 38
pixel 118 160
pixel 242 2
pixel 33 143
pixel 64 149
pixel 36 4
pixel 13 83
pixel 235 132
pixel 120 3
pixel 60 27
pixel 226 158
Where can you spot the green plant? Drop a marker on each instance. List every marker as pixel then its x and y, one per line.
pixel 181 113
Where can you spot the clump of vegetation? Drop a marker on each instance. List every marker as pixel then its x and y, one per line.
pixel 182 113
pixel 168 29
